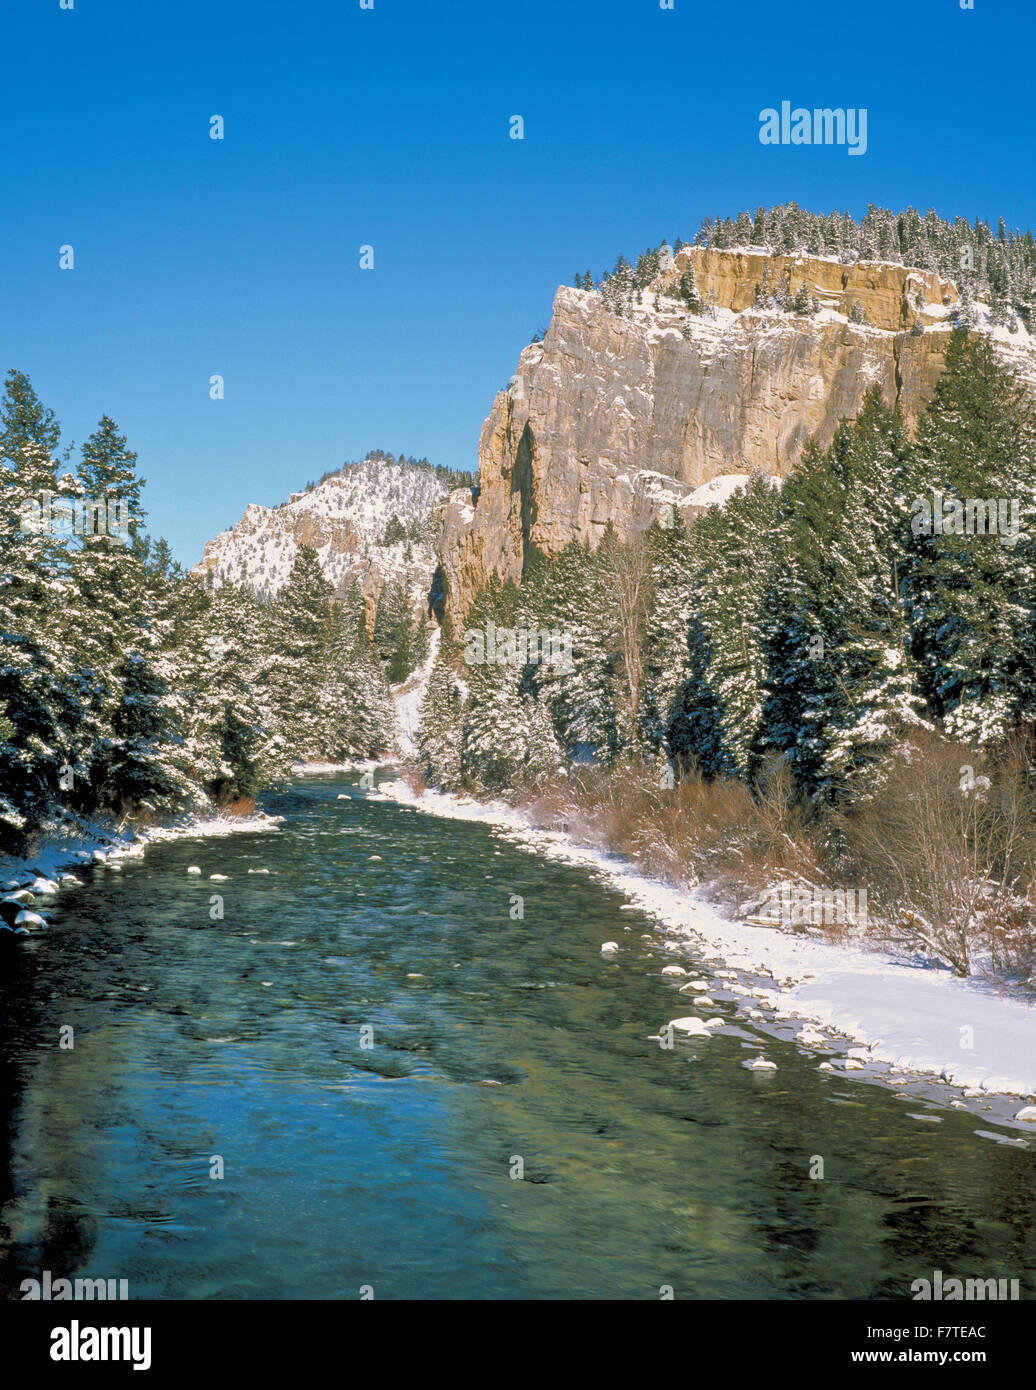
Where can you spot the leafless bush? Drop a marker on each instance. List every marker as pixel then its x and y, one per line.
pixel 684 833
pixel 949 841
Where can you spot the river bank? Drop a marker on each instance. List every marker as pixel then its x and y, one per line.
pixel 58 858
pixel 887 1019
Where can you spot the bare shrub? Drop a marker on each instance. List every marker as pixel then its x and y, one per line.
pixel 681 834
pixel 948 840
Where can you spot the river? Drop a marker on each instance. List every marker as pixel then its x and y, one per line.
pixel 367 1046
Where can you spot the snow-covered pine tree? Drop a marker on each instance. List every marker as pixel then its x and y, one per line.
pixel 877 690
pixel 569 596
pixel 675 586
pixel 508 740
pixel 111 615
pixel 973 596
pixel 37 690
pixel 689 290
pixel 354 700
pixel 233 745
pixel 440 730
pixel 718 705
pixel 302 625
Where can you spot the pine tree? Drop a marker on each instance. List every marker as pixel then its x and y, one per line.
pixel 689 291
pixel 302 626
pixel 37 692
pixel 716 712
pixel 441 724
pixel 973 596
pixel 803 301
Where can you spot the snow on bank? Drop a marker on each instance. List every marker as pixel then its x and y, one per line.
pixel 93 843
pixel 900 1017
pixel 314 769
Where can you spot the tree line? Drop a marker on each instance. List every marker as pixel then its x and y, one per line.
pixel 129 687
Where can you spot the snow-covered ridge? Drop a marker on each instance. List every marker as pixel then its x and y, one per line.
pixel 346 519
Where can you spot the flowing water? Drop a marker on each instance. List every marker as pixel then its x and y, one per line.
pixel 390 1166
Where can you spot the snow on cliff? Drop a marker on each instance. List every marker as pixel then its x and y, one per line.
pixel 371 523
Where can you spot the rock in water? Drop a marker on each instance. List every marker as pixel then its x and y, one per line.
pixel 690 1025
pixel 30 919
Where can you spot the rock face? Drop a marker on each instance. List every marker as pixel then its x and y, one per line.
pixel 370 524
pixel 617 419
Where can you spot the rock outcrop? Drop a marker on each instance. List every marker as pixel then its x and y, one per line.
pixel 370 524
pixel 614 419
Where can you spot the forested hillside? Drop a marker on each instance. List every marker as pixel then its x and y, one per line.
pixel 878 606
pixel 996 267
pixel 127 686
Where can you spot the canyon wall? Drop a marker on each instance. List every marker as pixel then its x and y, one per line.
pixel 614 419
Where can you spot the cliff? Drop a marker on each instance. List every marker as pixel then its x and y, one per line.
pixel 619 418
pixel 370 524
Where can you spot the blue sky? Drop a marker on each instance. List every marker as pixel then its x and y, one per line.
pixel 389 127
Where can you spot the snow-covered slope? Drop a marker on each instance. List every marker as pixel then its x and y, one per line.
pixel 408 696
pixel 347 519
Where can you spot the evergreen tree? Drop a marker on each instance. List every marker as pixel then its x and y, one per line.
pixel 689 291
pixel 302 626
pixel 715 715
pixel 37 691
pixel 973 596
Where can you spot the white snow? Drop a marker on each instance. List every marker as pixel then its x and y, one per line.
pixel 408 697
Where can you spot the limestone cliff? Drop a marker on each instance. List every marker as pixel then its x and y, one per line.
pixel 615 419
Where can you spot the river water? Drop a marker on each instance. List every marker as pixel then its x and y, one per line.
pixel 368 1046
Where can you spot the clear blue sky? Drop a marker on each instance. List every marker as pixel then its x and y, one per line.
pixel 390 127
